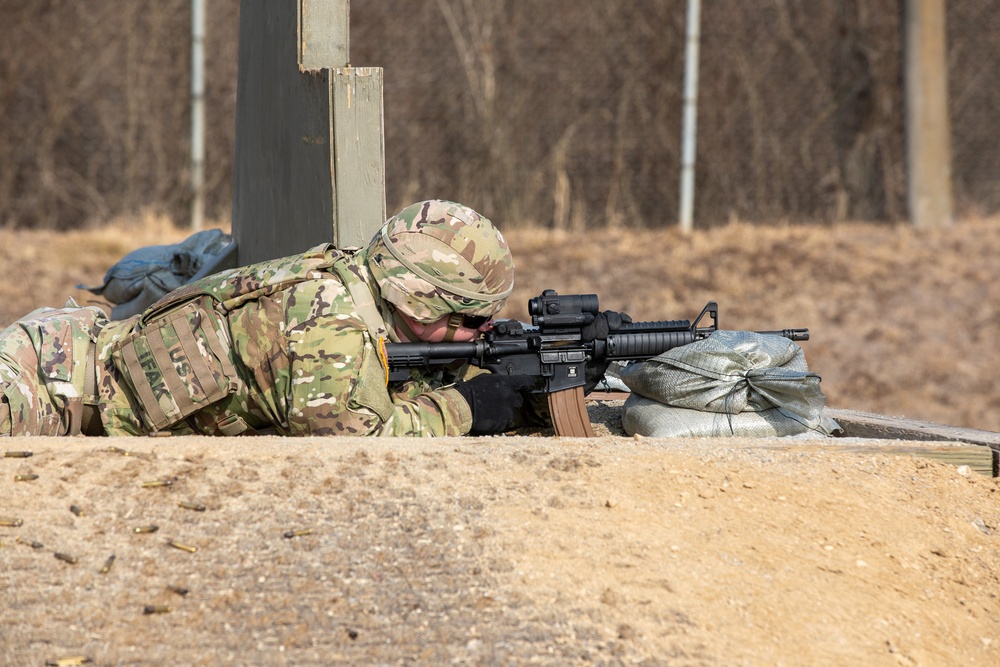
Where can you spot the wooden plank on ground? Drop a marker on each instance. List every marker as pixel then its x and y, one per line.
pixel 869 425
pixel 977 457
pixel 883 427
pixel 980 450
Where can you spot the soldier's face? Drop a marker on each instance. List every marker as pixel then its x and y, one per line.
pixel 437 331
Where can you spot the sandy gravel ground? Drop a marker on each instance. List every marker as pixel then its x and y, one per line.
pixel 509 550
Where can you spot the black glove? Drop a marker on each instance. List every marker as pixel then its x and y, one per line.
pixel 495 400
pixel 603 324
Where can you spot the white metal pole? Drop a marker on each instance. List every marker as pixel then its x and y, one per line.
pixel 690 131
pixel 197 113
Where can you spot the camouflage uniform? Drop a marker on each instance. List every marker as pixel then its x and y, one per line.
pixel 292 346
pixel 47 375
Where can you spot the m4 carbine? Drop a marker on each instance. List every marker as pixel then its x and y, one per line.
pixel 555 351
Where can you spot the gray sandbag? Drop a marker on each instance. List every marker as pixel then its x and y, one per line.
pixel 145 275
pixel 732 383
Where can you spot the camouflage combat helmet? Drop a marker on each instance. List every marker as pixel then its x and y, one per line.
pixel 437 257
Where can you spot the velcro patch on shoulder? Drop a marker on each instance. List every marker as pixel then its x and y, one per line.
pixel 371 390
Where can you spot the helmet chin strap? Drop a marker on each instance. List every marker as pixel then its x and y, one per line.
pixel 455 321
pixel 400 324
pixel 404 328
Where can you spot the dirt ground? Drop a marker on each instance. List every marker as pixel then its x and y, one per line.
pixel 543 550
pixel 496 551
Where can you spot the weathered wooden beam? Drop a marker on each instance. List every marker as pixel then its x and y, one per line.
pixel 869 425
pixel 358 156
pixel 882 427
pixel 928 126
pixel 324 33
pixel 979 459
pixel 885 434
pixel 309 162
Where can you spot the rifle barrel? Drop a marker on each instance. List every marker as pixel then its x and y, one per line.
pixel 790 334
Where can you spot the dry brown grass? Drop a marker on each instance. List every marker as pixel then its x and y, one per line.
pixel 903 322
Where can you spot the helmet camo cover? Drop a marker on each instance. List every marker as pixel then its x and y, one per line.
pixel 438 257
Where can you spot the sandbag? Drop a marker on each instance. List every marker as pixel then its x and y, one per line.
pixel 147 274
pixel 731 383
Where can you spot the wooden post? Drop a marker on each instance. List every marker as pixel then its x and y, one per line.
pixel 324 36
pixel 309 163
pixel 358 154
pixel 928 127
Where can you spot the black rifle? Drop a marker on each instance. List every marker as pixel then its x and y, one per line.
pixel 553 349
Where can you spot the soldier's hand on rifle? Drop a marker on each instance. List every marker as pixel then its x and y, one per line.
pixel 495 400
pixel 603 324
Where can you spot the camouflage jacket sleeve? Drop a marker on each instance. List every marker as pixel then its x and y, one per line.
pixel 338 388
pixel 316 370
pixel 426 411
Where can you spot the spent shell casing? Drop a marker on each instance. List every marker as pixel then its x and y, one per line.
pixel 197 507
pixel 182 547
pixel 17 455
pixel 11 522
pixel 152 528
pixel 107 564
pixel 66 558
pixel 76 509
pixel 119 450
pixel 180 590
pixel 25 478
pixel 160 434
pixel 156 609
pixel 298 533
pixel 157 482
pixel 70 661
pixel 31 543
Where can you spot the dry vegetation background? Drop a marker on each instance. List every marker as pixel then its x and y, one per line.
pixel 562 114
